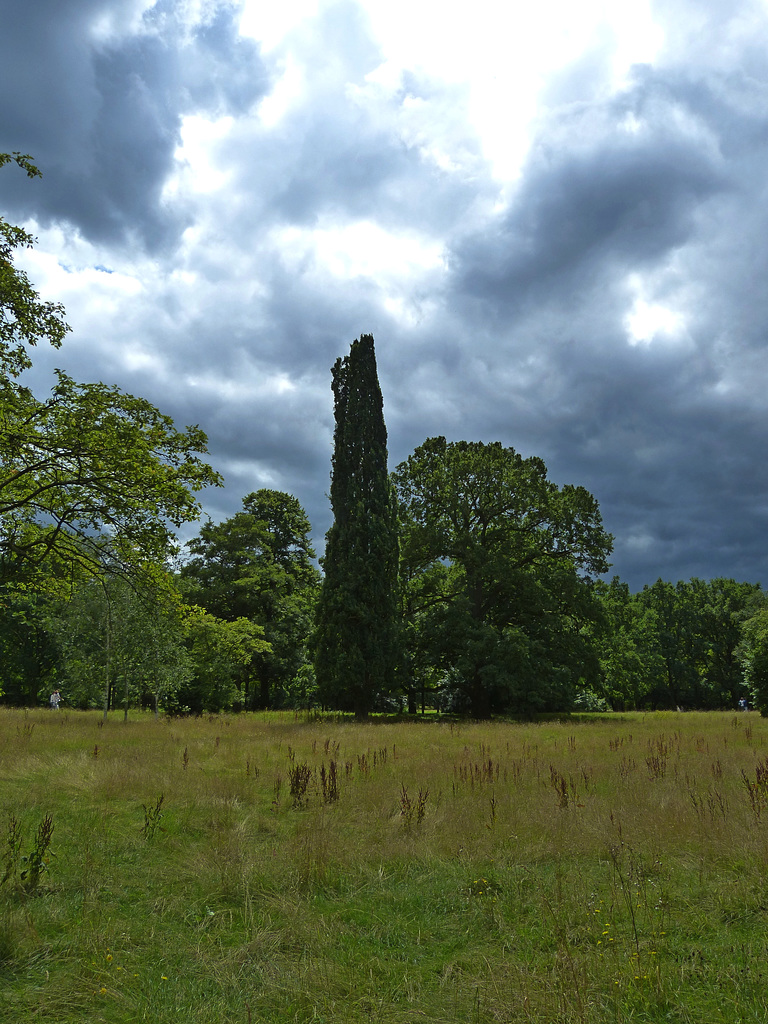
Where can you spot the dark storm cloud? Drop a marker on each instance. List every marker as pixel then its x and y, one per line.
pixel 663 184
pixel 100 112
pixel 599 196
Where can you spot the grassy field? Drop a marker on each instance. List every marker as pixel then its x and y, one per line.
pixel 270 868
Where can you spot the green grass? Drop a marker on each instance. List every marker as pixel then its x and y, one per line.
pixel 612 869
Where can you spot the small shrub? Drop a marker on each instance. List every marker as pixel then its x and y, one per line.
pixel 152 816
pixel 299 776
pixel 37 860
pixel 329 781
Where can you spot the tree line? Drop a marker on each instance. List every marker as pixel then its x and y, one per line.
pixel 468 581
pixel 465 580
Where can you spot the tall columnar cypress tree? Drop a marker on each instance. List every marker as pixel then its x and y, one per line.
pixel 357 625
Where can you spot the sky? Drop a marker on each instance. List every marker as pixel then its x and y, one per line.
pixel 551 217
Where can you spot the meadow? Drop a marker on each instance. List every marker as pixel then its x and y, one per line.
pixel 292 868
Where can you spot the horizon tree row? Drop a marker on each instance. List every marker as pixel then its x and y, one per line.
pixel 695 644
pixel 465 579
pixel 501 605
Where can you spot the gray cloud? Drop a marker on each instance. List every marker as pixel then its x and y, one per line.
pixel 630 202
pixel 662 182
pixel 101 112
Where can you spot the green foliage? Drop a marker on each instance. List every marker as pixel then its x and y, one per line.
pixel 80 627
pixel 152 815
pixel 29 654
pixel 219 650
pixel 23 870
pixel 24 318
pixel 726 605
pixel 119 645
pixel 752 654
pixel 91 458
pixel 626 637
pixel 696 628
pixel 258 566
pixel 674 645
pixel 37 860
pixel 12 854
pixel 357 635
pixel 87 458
pixel 496 568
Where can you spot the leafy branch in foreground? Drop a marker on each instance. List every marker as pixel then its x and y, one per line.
pixel 24 318
pixel 89 458
pixel 92 458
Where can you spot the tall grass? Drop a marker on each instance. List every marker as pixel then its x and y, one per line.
pixel 271 868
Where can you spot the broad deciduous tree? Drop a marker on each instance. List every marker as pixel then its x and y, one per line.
pixel 119 646
pixel 219 650
pixel 696 630
pixel 258 565
pixel 497 562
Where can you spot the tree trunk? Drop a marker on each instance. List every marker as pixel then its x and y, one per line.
pixel 479 702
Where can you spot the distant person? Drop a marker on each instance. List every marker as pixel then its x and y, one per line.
pixel 743 706
pixel 55 700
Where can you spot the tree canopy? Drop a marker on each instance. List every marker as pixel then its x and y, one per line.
pixel 675 644
pixel 496 561
pixel 258 565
